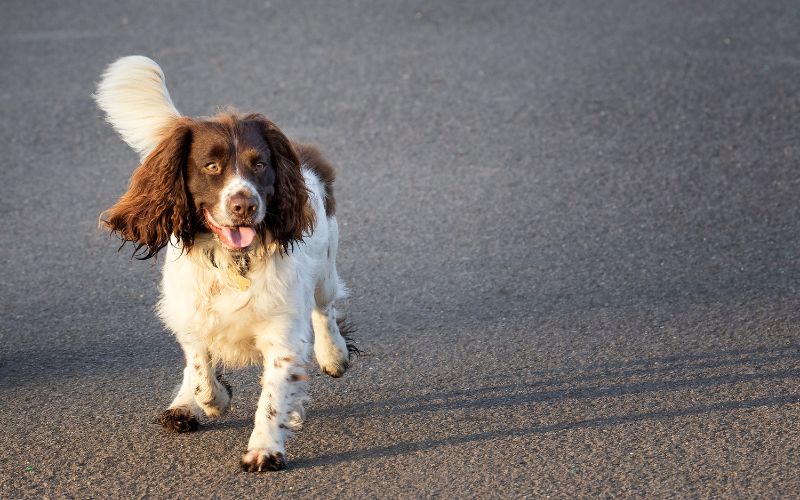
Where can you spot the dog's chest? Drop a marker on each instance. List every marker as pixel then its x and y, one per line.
pixel 226 321
pixel 237 312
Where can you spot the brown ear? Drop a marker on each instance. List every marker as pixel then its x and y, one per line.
pixel 289 215
pixel 156 205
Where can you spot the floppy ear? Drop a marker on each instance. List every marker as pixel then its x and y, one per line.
pixel 157 204
pixel 289 214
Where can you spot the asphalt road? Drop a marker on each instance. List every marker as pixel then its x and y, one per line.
pixel 571 231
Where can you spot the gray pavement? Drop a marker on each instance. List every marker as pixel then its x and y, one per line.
pixel 571 232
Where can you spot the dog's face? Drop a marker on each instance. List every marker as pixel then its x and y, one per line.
pixel 237 177
pixel 230 178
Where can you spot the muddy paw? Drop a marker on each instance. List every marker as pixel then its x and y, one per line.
pixel 335 367
pixel 178 420
pixel 262 460
pixel 333 360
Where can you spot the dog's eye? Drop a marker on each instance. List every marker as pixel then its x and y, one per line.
pixel 260 166
pixel 212 168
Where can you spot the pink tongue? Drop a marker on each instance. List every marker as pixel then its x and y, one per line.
pixel 237 237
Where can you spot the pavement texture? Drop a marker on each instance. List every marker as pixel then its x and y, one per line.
pixel 571 232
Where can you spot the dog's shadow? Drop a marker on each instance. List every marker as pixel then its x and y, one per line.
pixel 730 369
pixel 647 378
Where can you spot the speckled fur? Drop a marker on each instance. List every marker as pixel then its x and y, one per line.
pixel 217 324
pixel 218 321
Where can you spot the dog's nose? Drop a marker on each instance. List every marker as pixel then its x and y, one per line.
pixel 242 204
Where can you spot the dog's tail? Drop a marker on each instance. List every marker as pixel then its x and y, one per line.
pixel 133 93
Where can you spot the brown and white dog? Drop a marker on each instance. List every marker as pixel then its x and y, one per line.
pixel 247 219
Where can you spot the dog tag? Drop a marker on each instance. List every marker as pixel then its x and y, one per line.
pixel 240 281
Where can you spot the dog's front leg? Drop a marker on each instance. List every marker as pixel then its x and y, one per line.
pixel 200 388
pixel 280 410
pixel 211 392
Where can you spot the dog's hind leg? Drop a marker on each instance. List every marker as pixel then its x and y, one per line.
pixel 330 348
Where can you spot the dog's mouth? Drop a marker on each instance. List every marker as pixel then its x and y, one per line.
pixel 233 237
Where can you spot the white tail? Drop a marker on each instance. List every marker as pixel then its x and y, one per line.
pixel 133 93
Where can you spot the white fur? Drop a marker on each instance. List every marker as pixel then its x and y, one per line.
pixel 217 323
pixel 133 93
pixel 214 320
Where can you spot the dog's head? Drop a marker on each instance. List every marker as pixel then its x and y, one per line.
pixel 234 176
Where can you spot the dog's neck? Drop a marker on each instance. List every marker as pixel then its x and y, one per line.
pixel 238 262
pixel 209 253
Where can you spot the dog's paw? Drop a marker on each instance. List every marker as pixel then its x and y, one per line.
pixel 331 346
pixel 335 367
pixel 333 359
pixel 178 420
pixel 262 460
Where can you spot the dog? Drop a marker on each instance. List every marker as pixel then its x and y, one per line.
pixel 247 217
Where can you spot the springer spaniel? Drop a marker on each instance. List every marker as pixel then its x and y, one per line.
pixel 247 219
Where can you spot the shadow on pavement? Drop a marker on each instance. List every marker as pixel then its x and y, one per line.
pixel 410 447
pixel 669 373
pixel 656 366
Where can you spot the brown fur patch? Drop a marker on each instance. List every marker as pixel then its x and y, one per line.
pixel 178 420
pixel 156 205
pixel 284 359
pixel 264 462
pixel 311 157
pixel 171 191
